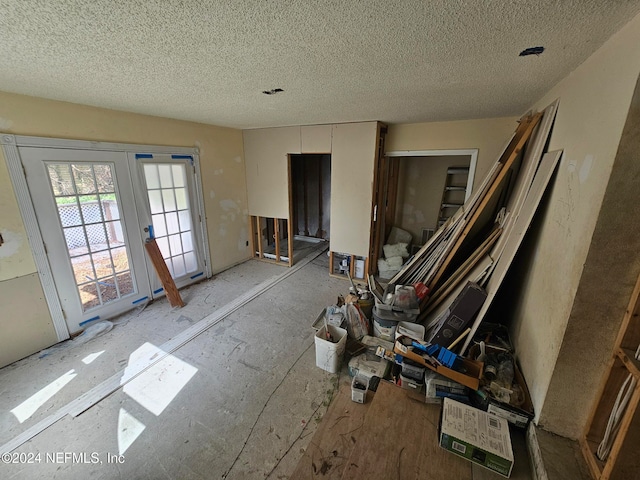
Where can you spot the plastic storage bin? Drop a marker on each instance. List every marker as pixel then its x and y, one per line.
pixel 329 354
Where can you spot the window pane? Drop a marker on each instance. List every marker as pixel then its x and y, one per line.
pixel 178 175
pixel 190 261
pixel 165 176
pixel 172 222
pixel 108 290
pixel 159 227
pixel 82 268
pixel 185 220
pixel 187 241
pixel 69 214
pixel 168 199
pixel 175 245
pixel 178 267
pixel 151 176
pixel 181 199
pixel 91 209
pixel 76 241
pixel 155 201
pixel 83 176
pixel 97 237
pixel 125 283
pixel 60 178
pixel 89 296
pixel 120 259
pixel 102 264
pixel 110 207
pixel 163 245
pixel 104 178
pixel 114 233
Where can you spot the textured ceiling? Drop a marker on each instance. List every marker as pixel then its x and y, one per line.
pixel 337 60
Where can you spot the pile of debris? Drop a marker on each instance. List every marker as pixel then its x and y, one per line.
pixel 424 329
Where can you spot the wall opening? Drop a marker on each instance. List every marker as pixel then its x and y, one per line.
pixel 311 195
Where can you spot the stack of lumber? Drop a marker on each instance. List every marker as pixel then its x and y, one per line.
pixel 479 242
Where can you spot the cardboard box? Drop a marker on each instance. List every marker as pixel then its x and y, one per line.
pixel 452 322
pixel 477 436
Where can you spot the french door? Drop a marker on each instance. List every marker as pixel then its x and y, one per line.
pixel 96 208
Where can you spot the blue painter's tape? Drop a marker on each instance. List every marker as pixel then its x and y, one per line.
pixel 143 155
pixel 158 290
pixel 140 300
pixel 182 157
pixel 197 275
pixel 97 317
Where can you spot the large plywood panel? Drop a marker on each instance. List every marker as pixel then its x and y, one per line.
pixel 352 165
pixel 316 138
pixel 25 323
pixel 265 153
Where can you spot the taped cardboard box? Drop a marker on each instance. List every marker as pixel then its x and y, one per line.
pixel 477 436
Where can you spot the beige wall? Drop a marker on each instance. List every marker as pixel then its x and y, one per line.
pixel 421 181
pixel 223 180
pixel 488 135
pixel 594 100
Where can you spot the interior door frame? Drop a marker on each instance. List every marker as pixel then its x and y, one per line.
pixel 387 169
pixel 10 145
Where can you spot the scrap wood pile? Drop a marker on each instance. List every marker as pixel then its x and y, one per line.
pixel 479 242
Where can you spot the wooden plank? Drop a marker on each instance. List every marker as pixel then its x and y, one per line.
pixel 462 271
pixel 173 295
pixel 260 247
pixel 538 187
pixel 276 234
pixel 402 442
pixel 530 162
pixel 510 155
pixel 331 446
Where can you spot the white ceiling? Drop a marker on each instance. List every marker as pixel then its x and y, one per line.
pixel 337 60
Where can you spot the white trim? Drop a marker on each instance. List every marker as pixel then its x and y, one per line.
pixel 203 223
pixel 16 173
pixel 47 142
pixel 472 152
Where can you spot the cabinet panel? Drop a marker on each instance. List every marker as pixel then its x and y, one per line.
pixel 352 165
pixel 265 153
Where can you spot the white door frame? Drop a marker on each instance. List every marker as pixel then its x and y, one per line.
pixel 473 152
pixel 10 144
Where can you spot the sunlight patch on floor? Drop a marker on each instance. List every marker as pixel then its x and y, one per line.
pixel 27 408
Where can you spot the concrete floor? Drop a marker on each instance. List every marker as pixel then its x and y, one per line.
pixel 240 401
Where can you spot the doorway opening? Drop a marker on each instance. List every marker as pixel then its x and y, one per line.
pixel 418 192
pixel 310 189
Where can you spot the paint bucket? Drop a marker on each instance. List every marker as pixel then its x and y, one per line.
pixel 329 354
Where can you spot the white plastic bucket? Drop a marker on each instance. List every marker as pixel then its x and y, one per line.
pixel 329 354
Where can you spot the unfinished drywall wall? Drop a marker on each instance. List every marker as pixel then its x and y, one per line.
pixel 266 151
pixel 222 165
pixel 563 365
pixel 315 139
pixel 488 135
pixel 25 324
pixel 420 184
pixel 352 164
